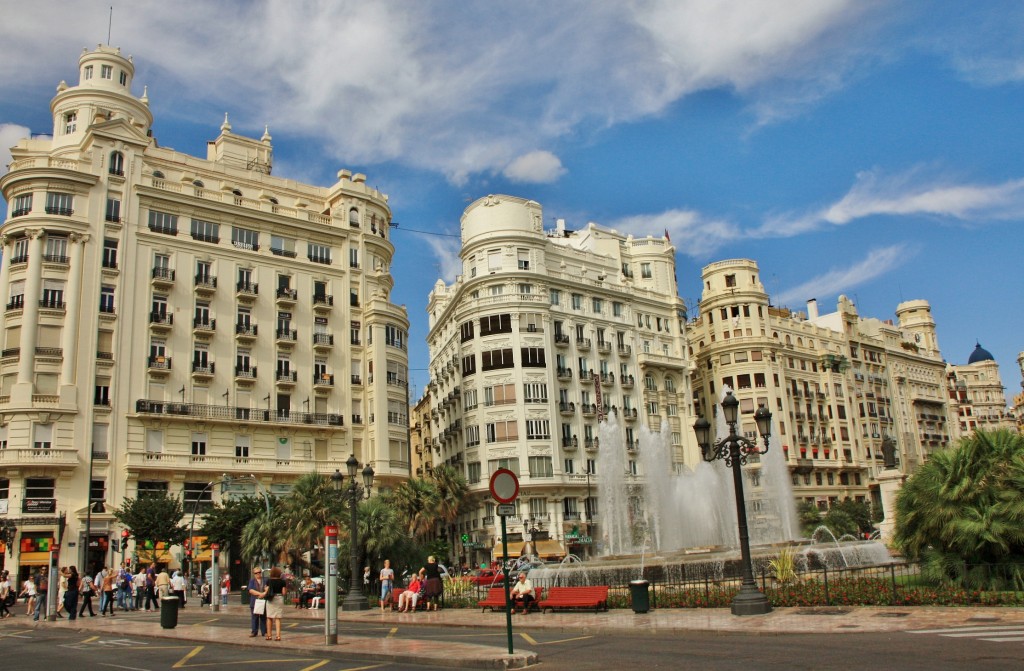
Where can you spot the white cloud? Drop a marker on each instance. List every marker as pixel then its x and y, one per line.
pixel 461 90
pixel 9 135
pixel 906 194
pixel 691 232
pixel 446 251
pixel 878 262
pixel 536 167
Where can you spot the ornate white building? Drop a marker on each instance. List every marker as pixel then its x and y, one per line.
pixel 173 319
pixel 543 334
pixel 977 393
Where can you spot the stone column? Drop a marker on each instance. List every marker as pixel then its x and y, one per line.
pixel 889 483
pixel 30 315
pixel 69 340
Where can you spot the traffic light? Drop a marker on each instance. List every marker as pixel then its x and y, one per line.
pixel 117 547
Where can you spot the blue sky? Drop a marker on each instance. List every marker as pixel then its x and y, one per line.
pixel 862 148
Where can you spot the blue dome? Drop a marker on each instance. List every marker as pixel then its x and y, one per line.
pixel 980 354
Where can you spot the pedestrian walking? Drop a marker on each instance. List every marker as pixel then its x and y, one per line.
pixel 87 592
pixel 71 593
pixel 257 589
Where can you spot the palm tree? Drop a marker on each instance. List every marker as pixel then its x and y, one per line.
pixel 452 492
pixel 309 507
pixel 417 505
pixel 963 510
pixel 263 536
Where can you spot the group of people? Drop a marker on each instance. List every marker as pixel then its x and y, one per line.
pixel 425 585
pixel 266 603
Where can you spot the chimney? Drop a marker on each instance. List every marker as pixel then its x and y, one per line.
pixel 812 308
pixel 560 227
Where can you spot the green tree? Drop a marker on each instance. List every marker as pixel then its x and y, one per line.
pixel 810 517
pixel 859 512
pixel 417 505
pixel 154 517
pixel 452 492
pixel 225 521
pixel 309 507
pixel 263 537
pixel 964 507
pixel 839 522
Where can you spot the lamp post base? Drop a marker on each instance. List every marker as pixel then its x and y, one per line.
pixel 750 601
pixel 354 600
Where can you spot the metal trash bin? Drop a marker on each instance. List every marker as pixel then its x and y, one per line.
pixel 169 612
pixel 245 596
pixel 640 595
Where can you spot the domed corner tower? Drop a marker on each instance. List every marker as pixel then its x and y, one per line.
pixel 103 93
pixel 729 282
pixel 915 317
pixel 496 220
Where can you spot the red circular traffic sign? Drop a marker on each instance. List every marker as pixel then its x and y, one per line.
pixel 504 486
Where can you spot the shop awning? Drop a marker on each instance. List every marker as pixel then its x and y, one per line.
pixel 549 549
pixel 514 550
pixel 34 559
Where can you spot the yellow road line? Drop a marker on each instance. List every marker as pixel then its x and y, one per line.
pixel 529 639
pixel 361 668
pixel 249 661
pixel 316 666
pixel 90 640
pixel 216 619
pixel 566 640
pixel 293 624
pixel 181 662
pixel 394 630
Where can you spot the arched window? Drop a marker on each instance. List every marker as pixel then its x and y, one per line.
pixel 198 183
pixel 670 383
pixel 353 218
pixel 157 174
pixel 117 163
pixel 799 342
pixel 649 382
pixel 273 201
pixel 236 192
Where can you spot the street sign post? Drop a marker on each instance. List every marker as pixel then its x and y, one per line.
pixel 504 487
pixel 331 588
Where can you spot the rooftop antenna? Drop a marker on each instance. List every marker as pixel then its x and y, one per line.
pixel 110 22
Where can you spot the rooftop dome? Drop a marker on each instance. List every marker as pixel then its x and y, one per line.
pixel 980 354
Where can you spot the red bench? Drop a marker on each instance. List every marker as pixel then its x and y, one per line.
pixel 575 597
pixel 496 599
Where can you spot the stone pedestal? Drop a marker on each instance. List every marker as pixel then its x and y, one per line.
pixel 889 483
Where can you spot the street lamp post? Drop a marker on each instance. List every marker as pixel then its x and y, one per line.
pixel 8 532
pixel 734 450
pixel 354 599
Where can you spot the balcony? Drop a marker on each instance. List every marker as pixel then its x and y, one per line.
pixel 632 447
pixel 324 381
pixel 161 321
pixel 629 414
pixel 246 291
pixel 323 341
pixel 16 302
pixel 561 340
pixel 245 332
pixel 604 347
pixel 627 381
pixel 567 408
pixel 287 253
pixel 285 378
pixel 31 457
pixel 159 365
pixel 245 374
pixel 588 409
pixel 570 444
pixel 162 277
pixel 203 327
pixel 607 379
pixel 625 350
pixel 202 371
pixel 233 415
pixel 286 337
pixel 322 303
pixel 205 284
pixel 355 379
pixel 58 259
pixel 564 373
pixel 51 304
pixel 583 344
pixel 591 444
pixel 286 297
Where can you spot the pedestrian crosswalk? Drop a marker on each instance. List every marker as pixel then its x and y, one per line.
pixel 997 633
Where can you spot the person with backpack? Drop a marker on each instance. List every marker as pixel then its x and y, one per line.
pixel 87 592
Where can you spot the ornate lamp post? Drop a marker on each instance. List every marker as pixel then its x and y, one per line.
pixel 734 450
pixel 354 599
pixel 8 532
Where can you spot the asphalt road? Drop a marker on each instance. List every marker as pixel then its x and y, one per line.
pixel 27 648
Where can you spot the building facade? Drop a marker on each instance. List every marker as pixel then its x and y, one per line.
pixel 838 384
pixel 543 334
pixel 171 320
pixel 977 394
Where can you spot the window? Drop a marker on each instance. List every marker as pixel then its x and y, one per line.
pixel 556 296
pixel 597 305
pixel 123 78
pixel 354 330
pixel 511 463
pixel 107 72
pixel 163 222
pixel 113 213
pixel 730 280
pixel 472 435
pixel 56 249
pixel 540 467
pixel 535 392
pixel 53 294
pixel 616 309
pixel 496 324
pixel 353 257
pixel 494 260
pixel 318 253
pixel 466 330
pixel 538 429
pixel 116 163
pixel 205 231
pixel 42 436
pixel 498 432
pixel 394 336
pixel 280 246
pixel 533 357
pixel 496 290
pixel 353 218
pixel 473 472
pixel 87 72
pixel 198 444
pixel 577 301
pixel 197 497
pixel 497 358
pixel 242 447
pixel 501 394
pixel 523 258
pixel 60 203
pixel 525 289
pixel 107 299
pixel 645 271
pixel 468 364
pixel 245 238
pixel 21 205
pixel 152 488
pixel 70 122
pixel 39 488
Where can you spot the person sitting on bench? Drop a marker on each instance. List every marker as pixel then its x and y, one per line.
pixel 522 594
